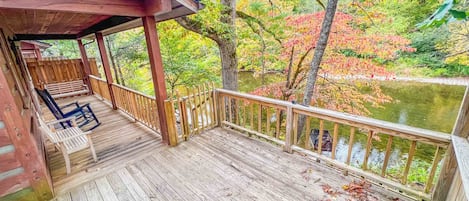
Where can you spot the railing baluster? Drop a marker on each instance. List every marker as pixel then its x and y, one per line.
pixel 183 116
pixel 321 134
pixel 436 159
pixel 155 114
pixel 251 108
pixel 295 128
pixel 237 111
pixel 259 118
pixel 267 130
pixel 244 113
pixel 334 140
pixel 222 108
pixel 387 156
pixel 215 107
pixel 207 104
pixel 200 107
pixel 289 127
pixel 409 161
pixel 196 112
pixel 369 142
pixel 278 122
pixel 230 109
pixel 308 133
pixel 350 145
pixel 137 107
pixel 148 110
pixel 192 113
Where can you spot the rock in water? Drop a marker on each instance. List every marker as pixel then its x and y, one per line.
pixel 326 140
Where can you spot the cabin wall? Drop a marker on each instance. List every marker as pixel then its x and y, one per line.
pixel 23 171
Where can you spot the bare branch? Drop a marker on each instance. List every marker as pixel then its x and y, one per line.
pixel 198 27
pixel 321 4
pixel 250 19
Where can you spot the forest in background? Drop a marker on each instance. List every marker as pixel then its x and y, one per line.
pixel 368 39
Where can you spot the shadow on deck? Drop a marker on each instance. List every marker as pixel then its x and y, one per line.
pixel 217 165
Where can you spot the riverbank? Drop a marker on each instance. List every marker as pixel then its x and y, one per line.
pixel 461 81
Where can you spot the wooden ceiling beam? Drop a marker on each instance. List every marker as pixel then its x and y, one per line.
pixel 190 4
pixel 157 7
pixel 133 8
pixel 105 24
pixel 19 37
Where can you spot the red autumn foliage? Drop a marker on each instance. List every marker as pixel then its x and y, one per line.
pixel 350 54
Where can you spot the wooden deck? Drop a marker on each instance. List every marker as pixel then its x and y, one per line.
pixel 216 165
pixel 116 140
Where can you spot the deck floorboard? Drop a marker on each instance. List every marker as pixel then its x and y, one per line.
pixel 217 165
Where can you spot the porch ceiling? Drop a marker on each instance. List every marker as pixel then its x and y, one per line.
pixel 64 19
pixel 22 21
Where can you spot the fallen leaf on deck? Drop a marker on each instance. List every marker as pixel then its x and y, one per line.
pixel 329 190
pixel 359 190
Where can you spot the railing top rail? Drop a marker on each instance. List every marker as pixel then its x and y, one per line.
pixel 133 91
pixel 408 130
pixel 97 78
pixel 278 103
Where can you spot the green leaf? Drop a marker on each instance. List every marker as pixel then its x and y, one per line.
pixel 439 15
pixel 460 15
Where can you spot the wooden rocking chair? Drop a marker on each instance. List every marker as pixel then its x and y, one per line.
pixel 68 140
pixel 83 113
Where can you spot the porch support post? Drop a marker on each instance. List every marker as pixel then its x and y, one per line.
pixel 157 73
pixel 86 65
pixel 106 66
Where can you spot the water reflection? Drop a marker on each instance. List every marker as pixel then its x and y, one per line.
pixel 402 117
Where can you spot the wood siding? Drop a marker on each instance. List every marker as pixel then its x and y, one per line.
pixel 23 174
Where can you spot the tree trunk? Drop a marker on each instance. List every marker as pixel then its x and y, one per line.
pixel 226 41
pixel 317 58
pixel 113 60
pixel 119 70
pixel 262 58
pixel 227 44
pixel 229 63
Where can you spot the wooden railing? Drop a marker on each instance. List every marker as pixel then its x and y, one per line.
pixel 277 121
pixel 195 112
pixel 49 71
pixel 459 190
pixel 100 87
pixel 137 105
pixel 325 133
pixel 54 71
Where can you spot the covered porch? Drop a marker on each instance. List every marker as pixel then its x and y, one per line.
pixel 223 144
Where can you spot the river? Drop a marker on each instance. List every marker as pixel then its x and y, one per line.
pixel 423 105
